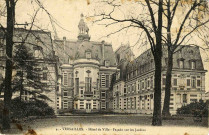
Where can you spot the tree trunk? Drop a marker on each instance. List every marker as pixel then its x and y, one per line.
pixel 8 75
pixel 166 111
pixel 21 86
pixel 157 121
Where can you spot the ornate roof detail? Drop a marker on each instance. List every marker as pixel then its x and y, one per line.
pixel 83 30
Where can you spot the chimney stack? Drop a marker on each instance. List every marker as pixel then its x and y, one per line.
pixel 103 48
pixel 64 42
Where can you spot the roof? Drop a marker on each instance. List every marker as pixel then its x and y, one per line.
pixel 71 50
pixel 187 54
pixel 35 38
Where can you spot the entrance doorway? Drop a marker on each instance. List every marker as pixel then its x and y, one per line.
pixel 88 107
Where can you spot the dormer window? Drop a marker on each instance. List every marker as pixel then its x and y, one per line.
pixel 107 63
pixel 193 65
pixel 181 63
pixel 88 55
pixel 37 52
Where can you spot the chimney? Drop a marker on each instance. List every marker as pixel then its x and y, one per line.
pixel 103 47
pixel 64 42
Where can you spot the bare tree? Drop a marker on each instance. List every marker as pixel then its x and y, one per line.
pixel 151 26
pixel 193 23
pixel 10 4
pixel 8 31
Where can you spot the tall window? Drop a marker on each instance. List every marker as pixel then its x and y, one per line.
pixel 44 76
pixel 107 81
pixel 77 85
pixel 138 85
pixel 164 81
pixel 193 82
pixel 184 98
pixel 192 65
pixel 133 87
pixel 151 85
pixel 70 79
pixel 88 83
pixel 65 79
pixel 198 82
pixel 98 84
pixel 124 90
pixel 145 83
pixel 188 82
pixel 175 82
pixel 142 85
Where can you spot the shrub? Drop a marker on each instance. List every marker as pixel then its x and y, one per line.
pixel 21 109
pixel 194 108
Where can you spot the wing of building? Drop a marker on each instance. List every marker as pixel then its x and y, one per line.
pixel 39 46
pixel 133 92
pixel 86 69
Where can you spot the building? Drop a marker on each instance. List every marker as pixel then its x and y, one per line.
pixel 39 45
pixel 86 70
pixel 134 92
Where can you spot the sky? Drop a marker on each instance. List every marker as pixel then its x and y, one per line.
pixel 67 15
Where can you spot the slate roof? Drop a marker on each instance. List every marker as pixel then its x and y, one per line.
pixel 187 53
pixel 35 38
pixel 76 50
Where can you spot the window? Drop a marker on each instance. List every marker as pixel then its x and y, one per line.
pixel 124 90
pixel 198 82
pixel 166 61
pixel 77 85
pixel 103 95
pixel 184 98
pixel 164 81
pixel 1 52
pixel 142 85
pixel 192 65
pixel 175 82
pixel 65 93
pixel 138 86
pixel 65 79
pixel 37 52
pixel 81 91
pixel 151 85
pixel 107 63
pixel 70 79
pixel 134 87
pixel 88 83
pixel 193 82
pixel 107 81
pixel 88 55
pixel 44 76
pixel 181 64
pixel 98 84
pixel 188 82
pixel 145 83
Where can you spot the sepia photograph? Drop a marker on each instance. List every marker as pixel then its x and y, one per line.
pixel 104 67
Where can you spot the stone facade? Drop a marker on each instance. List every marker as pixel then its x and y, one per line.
pixel 134 92
pixel 86 70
